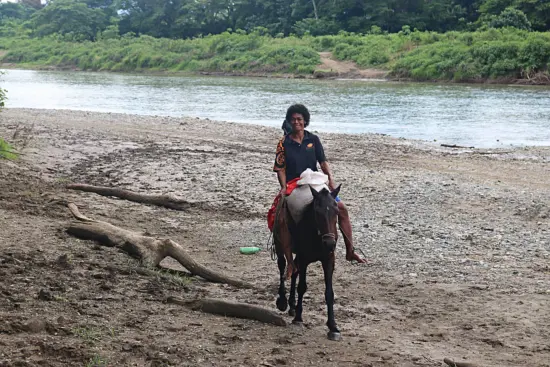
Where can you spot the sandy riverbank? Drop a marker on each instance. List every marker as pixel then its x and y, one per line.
pixel 458 242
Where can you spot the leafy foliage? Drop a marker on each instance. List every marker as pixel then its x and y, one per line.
pixel 6 151
pixel 71 18
pixel 3 96
pixel 424 40
pixel 226 52
pixel 478 56
pixel 176 19
pixel 510 17
pixel 459 56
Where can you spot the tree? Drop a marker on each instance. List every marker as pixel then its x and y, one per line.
pixel 15 11
pixel 511 17
pixel 36 4
pixel 69 17
pixel 536 11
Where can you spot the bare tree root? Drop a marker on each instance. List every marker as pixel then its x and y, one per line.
pixel 167 201
pixel 151 251
pixel 452 363
pixel 231 309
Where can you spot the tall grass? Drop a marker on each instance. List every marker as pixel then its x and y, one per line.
pixel 6 150
pixel 220 53
pixel 458 56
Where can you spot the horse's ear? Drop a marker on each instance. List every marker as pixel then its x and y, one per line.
pixel 335 192
pixel 313 192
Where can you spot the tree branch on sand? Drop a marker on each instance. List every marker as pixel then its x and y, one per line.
pixel 231 309
pixel 151 251
pixel 167 201
pixel 452 363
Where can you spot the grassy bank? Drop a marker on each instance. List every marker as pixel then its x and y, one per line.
pixel 219 53
pixel 453 56
pixel 505 54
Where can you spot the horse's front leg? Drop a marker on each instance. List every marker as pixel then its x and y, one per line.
pixel 282 303
pixel 302 288
pixel 328 270
pixel 292 296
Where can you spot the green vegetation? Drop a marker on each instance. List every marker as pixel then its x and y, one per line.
pixel 6 150
pixel 506 53
pixel 97 361
pixel 220 53
pixel 177 19
pixel 460 56
pixel 458 40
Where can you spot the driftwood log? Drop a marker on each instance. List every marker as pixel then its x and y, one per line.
pixel 456 146
pixel 452 363
pixel 151 251
pixel 167 201
pixel 231 309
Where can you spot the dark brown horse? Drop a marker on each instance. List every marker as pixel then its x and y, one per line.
pixel 313 239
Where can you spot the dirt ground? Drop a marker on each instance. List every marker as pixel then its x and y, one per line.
pixel 458 242
pixel 348 69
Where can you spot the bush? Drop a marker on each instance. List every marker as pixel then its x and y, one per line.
pixel 493 53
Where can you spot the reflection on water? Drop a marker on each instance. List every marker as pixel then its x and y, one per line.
pixel 478 115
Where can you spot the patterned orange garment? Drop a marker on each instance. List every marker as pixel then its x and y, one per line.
pixel 280 163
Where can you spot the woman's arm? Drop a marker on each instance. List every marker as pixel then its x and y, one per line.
pixel 326 170
pixel 281 176
pixel 320 155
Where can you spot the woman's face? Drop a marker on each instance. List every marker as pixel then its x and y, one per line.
pixel 298 122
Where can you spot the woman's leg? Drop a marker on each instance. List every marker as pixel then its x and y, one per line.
pixel 345 228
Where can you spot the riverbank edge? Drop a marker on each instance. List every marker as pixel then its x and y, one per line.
pixel 421 144
pixel 318 74
pixel 541 80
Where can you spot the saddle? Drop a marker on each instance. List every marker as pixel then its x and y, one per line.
pixel 301 196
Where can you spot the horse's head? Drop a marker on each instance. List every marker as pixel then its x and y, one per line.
pixel 325 209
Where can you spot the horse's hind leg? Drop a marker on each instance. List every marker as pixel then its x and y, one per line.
pixel 328 269
pixel 292 296
pixel 282 303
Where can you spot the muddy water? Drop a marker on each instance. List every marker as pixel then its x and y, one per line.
pixel 472 115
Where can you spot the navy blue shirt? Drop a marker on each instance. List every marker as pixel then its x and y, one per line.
pixel 295 158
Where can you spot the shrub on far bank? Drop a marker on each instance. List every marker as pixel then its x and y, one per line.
pixel 460 56
pixel 225 52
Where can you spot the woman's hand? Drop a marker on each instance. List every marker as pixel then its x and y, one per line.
pixel 283 191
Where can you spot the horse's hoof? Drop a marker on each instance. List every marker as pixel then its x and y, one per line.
pixel 334 336
pixel 298 323
pixel 282 303
pixel 292 312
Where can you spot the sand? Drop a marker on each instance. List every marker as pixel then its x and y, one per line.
pixel 458 242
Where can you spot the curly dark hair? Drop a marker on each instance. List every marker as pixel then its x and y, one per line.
pixel 298 108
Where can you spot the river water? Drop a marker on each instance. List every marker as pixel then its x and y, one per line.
pixel 472 115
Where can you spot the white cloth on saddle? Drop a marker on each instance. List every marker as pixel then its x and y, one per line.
pixel 301 196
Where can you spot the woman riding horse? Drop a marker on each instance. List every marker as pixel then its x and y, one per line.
pixel 296 152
